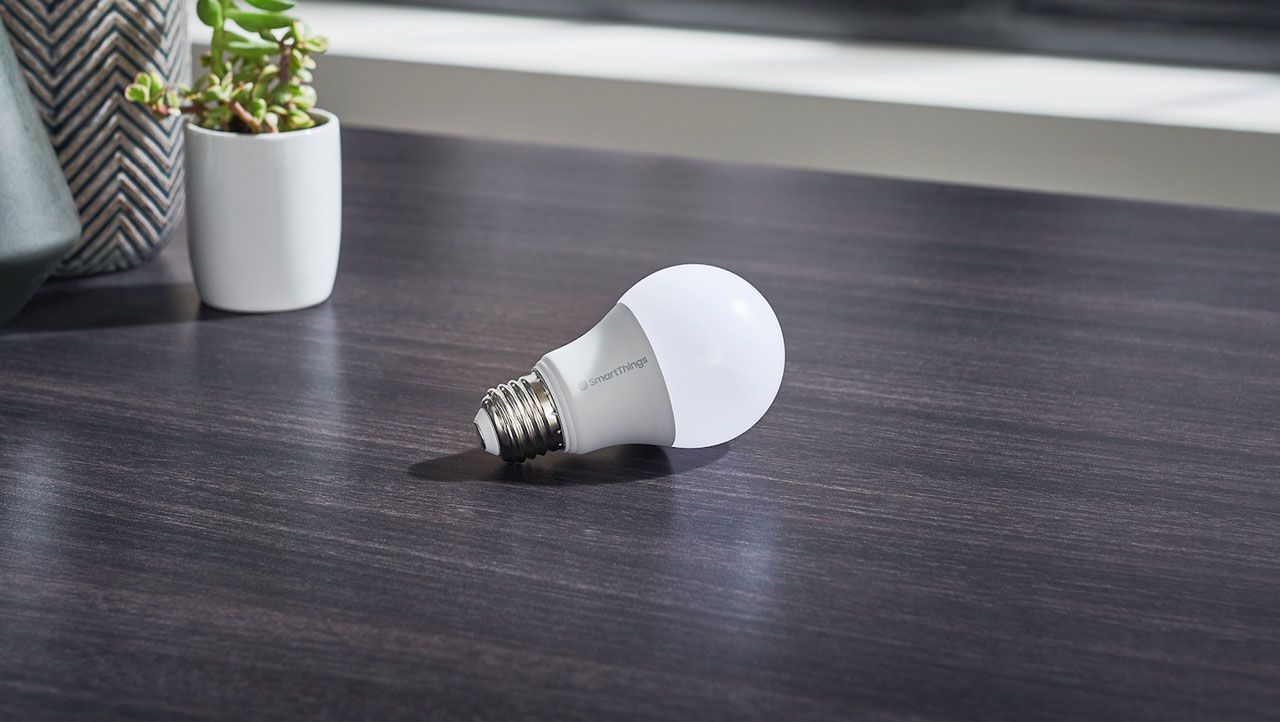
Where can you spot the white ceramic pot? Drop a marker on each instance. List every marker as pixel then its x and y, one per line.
pixel 264 215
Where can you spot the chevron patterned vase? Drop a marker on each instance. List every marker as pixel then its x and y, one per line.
pixel 124 168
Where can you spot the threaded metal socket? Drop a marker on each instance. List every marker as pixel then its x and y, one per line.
pixel 525 418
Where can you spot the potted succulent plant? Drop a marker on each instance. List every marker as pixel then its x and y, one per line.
pixel 263 164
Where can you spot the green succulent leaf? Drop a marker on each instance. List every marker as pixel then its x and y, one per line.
pixel 218 115
pixel 216 94
pixel 136 93
pixel 251 48
pixel 256 22
pixel 305 97
pixel 209 12
pixel 282 95
pixel 257 108
pixel 262 86
pixel 300 119
pixel 275 6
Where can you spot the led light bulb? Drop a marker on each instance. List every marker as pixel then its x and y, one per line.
pixel 690 356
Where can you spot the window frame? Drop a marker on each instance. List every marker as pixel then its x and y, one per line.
pixel 1223 33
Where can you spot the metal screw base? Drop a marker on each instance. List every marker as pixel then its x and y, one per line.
pixel 525 418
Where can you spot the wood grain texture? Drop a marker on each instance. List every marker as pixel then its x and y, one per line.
pixel 1025 464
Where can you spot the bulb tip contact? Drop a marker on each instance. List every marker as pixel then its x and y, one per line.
pixel 488 435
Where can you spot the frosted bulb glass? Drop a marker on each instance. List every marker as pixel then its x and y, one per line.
pixel 690 356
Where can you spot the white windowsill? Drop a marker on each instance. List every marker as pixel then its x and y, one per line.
pixel 993 118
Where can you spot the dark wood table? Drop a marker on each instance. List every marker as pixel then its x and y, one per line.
pixel 1025 463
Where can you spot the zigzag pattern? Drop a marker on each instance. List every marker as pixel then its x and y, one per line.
pixel 124 168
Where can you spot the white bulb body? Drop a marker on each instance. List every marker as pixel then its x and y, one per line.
pixel 608 388
pixel 691 356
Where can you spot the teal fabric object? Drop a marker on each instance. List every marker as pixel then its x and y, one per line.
pixel 38 218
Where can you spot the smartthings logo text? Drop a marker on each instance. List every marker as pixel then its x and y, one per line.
pixel 639 363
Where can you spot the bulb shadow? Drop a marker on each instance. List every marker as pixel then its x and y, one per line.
pixel 615 465
pixel 69 306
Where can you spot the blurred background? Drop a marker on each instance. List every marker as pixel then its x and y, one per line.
pixel 1167 100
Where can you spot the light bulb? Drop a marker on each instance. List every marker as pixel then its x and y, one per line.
pixel 690 356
